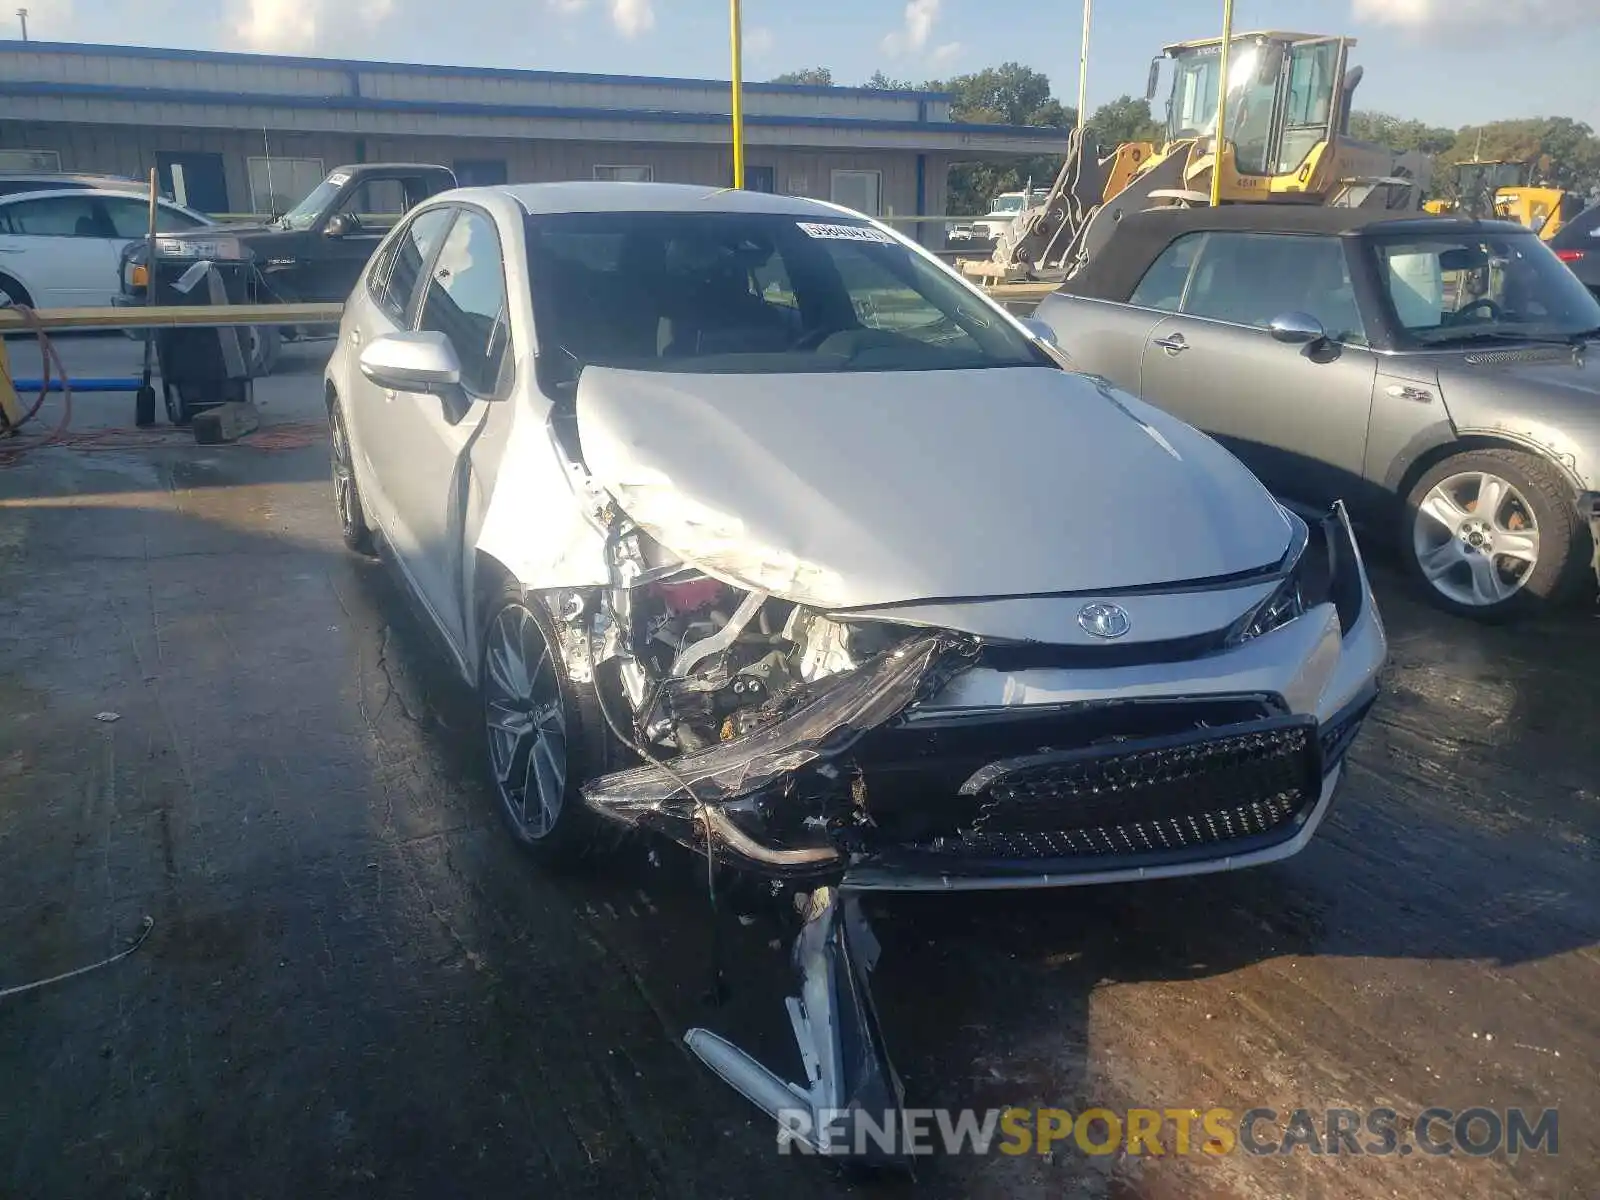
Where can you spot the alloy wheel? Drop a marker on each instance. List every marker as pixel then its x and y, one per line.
pixel 1476 539
pixel 344 482
pixel 526 720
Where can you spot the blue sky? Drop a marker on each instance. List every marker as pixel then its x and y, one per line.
pixel 1446 61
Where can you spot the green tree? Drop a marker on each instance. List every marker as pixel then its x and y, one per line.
pixel 885 83
pixel 1565 153
pixel 1400 134
pixel 814 76
pixel 1125 119
pixel 1010 94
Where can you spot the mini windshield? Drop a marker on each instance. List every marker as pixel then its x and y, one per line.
pixel 1448 288
pixel 318 198
pixel 751 294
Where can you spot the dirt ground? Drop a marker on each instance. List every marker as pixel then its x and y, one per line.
pixel 356 986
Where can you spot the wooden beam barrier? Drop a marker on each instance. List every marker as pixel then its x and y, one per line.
pixel 172 316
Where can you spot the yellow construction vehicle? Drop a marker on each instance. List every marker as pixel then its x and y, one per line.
pixel 1286 141
pixel 1508 189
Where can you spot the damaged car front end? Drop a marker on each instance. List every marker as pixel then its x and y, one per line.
pixel 789 546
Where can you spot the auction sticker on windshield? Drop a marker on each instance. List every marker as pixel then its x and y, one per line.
pixel 845 233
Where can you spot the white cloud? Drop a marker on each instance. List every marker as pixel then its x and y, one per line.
pixel 913 34
pixel 633 17
pixel 277 26
pixel 1464 14
pixel 758 40
pixel 944 55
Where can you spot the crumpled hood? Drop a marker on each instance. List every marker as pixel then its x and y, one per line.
pixel 844 489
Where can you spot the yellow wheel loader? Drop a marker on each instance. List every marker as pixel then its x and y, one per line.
pixel 1286 141
pixel 1506 188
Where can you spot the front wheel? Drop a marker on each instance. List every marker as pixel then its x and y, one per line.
pixel 544 734
pixel 1492 533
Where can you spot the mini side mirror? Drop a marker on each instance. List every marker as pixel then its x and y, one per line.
pixel 419 361
pixel 1154 80
pixel 1297 329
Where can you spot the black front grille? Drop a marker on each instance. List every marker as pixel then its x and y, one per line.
pixel 1159 797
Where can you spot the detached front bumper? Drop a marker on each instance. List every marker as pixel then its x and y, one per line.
pixel 930 769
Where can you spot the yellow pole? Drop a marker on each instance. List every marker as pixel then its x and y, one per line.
pixel 1222 103
pixel 738 99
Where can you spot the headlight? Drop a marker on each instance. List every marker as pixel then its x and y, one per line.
pixel 1290 599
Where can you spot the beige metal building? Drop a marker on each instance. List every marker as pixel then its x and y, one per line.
pixel 252 133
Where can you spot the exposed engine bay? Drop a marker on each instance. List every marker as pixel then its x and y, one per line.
pixel 780 739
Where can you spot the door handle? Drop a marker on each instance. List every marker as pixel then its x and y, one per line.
pixel 355 337
pixel 389 394
pixel 1174 344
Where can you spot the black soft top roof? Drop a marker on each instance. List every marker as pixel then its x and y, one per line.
pixel 1140 237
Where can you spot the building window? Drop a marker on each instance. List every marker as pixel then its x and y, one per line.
pixel 620 174
pixel 480 172
pixel 859 190
pixel 759 179
pixel 30 160
pixel 278 184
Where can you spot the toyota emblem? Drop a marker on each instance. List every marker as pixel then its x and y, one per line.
pixel 1103 620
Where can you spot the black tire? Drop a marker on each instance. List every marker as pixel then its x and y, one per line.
pixel 353 527
pixel 15 292
pixel 1563 539
pixel 575 832
pixel 263 343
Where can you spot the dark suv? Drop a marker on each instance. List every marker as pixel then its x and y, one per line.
pixel 1578 245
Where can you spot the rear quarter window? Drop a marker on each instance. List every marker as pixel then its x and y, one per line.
pixel 1163 284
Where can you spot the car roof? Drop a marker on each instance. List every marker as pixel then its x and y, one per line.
pixel 79 192
pixel 1140 237
pixel 599 197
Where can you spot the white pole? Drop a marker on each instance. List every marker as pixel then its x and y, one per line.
pixel 1083 67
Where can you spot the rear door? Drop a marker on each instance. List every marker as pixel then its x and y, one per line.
pixel 425 437
pixel 62 248
pixel 1297 415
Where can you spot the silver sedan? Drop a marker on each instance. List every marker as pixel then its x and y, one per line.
pixel 756 528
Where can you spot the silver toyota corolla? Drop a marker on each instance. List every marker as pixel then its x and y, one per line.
pixel 756 528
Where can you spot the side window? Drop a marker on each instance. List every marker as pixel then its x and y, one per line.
pixel 1249 278
pixel 129 218
pixel 57 216
pixel 466 301
pixel 1163 284
pixel 393 280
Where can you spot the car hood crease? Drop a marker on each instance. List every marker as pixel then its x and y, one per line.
pixel 900 486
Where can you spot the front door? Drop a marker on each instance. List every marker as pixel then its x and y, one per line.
pixel 1297 415
pixel 195 180
pixel 427 436
pixel 332 266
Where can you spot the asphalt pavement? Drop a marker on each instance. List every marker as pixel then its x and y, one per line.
pixel 213 715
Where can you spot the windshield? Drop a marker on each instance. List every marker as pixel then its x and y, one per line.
pixel 303 214
pixel 1458 289
pixel 1006 204
pixel 751 294
pixel 1192 110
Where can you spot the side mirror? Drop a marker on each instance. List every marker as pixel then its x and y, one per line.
pixel 338 226
pixel 1297 329
pixel 1040 329
pixel 1154 80
pixel 420 361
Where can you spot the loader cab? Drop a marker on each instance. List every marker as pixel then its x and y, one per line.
pixel 1286 97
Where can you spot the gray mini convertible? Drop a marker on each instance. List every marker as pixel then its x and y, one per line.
pixel 1430 372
